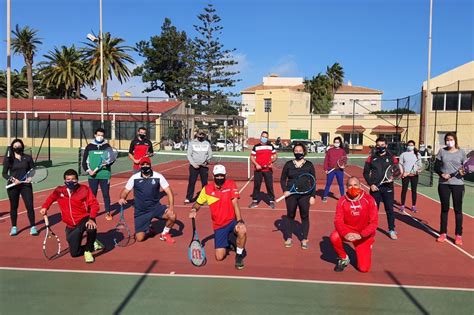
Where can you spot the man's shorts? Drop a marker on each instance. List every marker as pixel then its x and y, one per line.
pixel 221 235
pixel 143 220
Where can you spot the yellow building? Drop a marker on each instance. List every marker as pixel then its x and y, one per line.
pixel 450 102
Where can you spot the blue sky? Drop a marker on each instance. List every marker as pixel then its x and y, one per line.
pixel 381 44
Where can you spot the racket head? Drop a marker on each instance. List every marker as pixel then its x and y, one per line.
pixel 342 162
pixel 121 235
pixel 468 165
pixel 394 172
pixel 215 160
pixel 304 183
pixel 51 243
pixel 109 156
pixel 196 253
pixel 36 174
pixel 417 167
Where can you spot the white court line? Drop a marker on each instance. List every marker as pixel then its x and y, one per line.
pixel 168 275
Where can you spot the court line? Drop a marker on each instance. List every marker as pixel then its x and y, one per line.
pixel 269 279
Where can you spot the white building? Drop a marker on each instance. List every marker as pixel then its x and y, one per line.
pixel 361 100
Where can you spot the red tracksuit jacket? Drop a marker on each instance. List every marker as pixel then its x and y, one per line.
pixel 75 207
pixel 359 216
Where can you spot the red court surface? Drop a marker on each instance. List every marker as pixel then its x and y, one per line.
pixel 414 259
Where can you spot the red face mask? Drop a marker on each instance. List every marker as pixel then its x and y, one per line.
pixel 354 192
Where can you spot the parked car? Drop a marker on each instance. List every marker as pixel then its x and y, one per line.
pixel 312 146
pixel 221 145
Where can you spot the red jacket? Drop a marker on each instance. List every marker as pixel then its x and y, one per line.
pixel 356 216
pixel 75 207
pixel 332 155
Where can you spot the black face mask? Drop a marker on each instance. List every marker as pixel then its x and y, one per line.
pixel 381 150
pixel 299 156
pixel 146 170
pixel 142 137
pixel 18 150
pixel 219 181
pixel 201 139
pixel 71 185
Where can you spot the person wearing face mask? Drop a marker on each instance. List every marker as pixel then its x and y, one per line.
pixel 140 147
pixel 15 165
pixel 79 209
pixel 146 190
pixel 330 162
pixel 199 154
pixel 448 161
pixel 289 174
pixel 356 221
pixel 222 197
pixel 408 160
pixel 262 157
pixel 101 177
pixel 374 172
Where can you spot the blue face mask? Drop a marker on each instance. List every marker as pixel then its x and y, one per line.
pixel 71 185
pixel 263 140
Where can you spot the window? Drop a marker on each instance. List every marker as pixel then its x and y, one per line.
pixel 127 130
pixel 354 138
pixel 452 101
pixel 268 105
pixel 16 128
pixel 324 137
pixel 89 127
pixel 466 101
pixel 391 137
pixel 37 128
pixel 438 101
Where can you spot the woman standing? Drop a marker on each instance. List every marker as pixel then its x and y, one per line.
pixel 292 169
pixel 410 160
pixel 451 183
pixel 332 169
pixel 15 165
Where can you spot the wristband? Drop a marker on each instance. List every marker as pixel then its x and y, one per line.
pixel 241 221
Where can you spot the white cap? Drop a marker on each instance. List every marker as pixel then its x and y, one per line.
pixel 219 169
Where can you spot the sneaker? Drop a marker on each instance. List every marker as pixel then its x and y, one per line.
pixel 288 243
pixel 342 264
pixel 13 231
pixel 413 208
pixel 88 257
pixel 108 216
pixel 393 235
pixel 33 231
pixel 325 199
pixel 186 201
pixel 98 245
pixel 442 238
pixel 458 240
pixel 167 238
pixel 239 262
pixel 272 204
pixel 402 209
pixel 254 204
pixel 304 245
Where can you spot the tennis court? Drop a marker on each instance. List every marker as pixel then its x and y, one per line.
pixel 411 275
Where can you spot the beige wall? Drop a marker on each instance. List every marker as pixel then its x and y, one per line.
pixel 344 103
pixel 282 81
pixel 248 104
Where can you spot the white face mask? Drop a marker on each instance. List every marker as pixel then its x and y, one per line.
pixel 450 144
pixel 410 148
pixel 337 144
pixel 99 139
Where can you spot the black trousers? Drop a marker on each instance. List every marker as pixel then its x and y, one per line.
pixel 26 192
pixel 413 180
pixel 445 191
pixel 292 203
pixel 386 194
pixel 257 184
pixel 74 238
pixel 104 187
pixel 202 172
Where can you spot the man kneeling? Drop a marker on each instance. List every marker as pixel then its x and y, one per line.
pixel 356 221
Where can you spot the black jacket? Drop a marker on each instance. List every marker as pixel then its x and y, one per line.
pixel 375 166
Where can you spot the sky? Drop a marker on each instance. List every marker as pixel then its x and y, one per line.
pixel 381 44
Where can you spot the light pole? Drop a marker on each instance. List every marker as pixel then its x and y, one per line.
pixel 101 66
pixel 426 110
pixel 9 78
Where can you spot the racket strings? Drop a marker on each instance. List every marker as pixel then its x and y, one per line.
pixel 304 184
pixel 37 174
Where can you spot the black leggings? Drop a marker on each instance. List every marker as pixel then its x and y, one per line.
pixel 26 192
pixel 457 191
pixel 257 184
pixel 413 180
pixel 74 238
pixel 105 187
pixel 202 172
pixel 301 202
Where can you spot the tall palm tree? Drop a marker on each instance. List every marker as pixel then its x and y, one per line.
pixel 19 84
pixel 335 73
pixel 116 58
pixel 63 70
pixel 26 43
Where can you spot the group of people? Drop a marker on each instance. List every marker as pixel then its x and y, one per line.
pixel 356 216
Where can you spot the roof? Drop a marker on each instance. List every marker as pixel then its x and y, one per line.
pixel 387 129
pixel 352 89
pixel 252 89
pixel 350 128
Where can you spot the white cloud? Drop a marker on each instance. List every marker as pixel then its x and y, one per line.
pixel 286 66
pixel 243 63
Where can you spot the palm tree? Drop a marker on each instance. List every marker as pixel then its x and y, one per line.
pixel 19 85
pixel 26 43
pixel 319 88
pixel 115 60
pixel 335 73
pixel 64 70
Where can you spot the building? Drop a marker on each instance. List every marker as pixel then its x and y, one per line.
pixel 361 100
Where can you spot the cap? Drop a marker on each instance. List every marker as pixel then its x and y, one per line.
pixel 219 169
pixel 145 159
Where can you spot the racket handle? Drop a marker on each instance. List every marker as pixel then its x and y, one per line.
pixel 331 170
pixel 10 185
pixel 46 220
pixel 193 220
pixel 281 198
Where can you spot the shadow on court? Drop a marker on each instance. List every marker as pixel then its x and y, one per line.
pixel 284 223
pixel 328 254
pixel 407 293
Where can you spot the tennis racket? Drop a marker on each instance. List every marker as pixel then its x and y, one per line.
pixel 107 157
pixel 417 167
pixel 392 173
pixel 216 159
pixel 156 147
pixel 196 253
pixel 304 184
pixel 341 163
pixel 122 233
pixel 51 243
pixel 466 168
pixel 35 175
